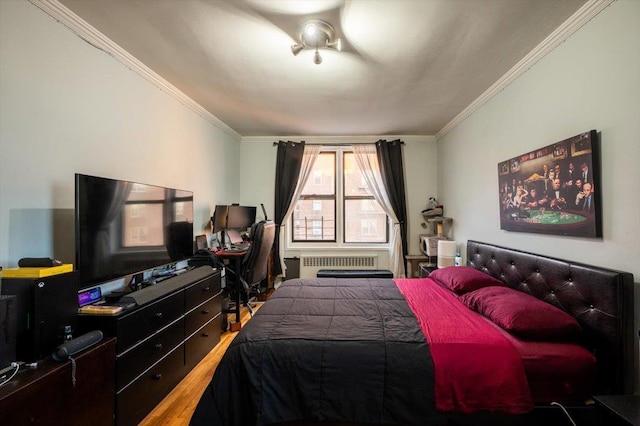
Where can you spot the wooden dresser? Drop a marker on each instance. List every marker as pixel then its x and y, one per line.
pixel 177 322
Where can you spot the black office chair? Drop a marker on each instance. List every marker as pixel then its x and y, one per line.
pixel 254 266
pixel 178 240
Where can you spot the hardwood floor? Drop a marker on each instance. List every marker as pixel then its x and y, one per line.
pixel 177 407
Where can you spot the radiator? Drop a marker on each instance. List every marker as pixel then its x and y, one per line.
pixel 310 265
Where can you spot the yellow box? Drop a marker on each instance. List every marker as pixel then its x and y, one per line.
pixel 36 272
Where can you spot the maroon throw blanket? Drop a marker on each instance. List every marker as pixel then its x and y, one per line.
pixel 476 368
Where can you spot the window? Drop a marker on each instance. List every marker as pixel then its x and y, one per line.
pixel 368 227
pixel 314 217
pixel 336 201
pixel 360 206
pixel 316 228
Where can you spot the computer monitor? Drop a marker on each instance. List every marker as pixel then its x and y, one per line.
pixel 233 217
pixel 241 217
pixel 219 218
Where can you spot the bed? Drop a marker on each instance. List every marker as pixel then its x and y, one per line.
pixel 448 349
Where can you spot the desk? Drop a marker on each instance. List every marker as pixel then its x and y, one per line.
pixel 234 259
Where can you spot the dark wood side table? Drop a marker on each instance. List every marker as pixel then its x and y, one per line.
pixel 622 410
pixel 46 394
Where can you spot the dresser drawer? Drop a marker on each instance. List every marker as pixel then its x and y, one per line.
pixel 202 314
pixel 148 352
pixel 145 321
pixel 201 343
pixel 140 397
pixel 201 291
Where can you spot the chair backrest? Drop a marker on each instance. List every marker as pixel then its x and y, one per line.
pixel 255 263
pixel 178 238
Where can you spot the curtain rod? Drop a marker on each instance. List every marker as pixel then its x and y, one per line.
pixel 337 144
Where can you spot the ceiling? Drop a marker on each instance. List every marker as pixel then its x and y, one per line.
pixel 407 67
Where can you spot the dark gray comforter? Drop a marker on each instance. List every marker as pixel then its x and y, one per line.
pixel 325 350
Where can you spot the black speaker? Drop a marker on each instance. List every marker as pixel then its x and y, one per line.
pixel 47 310
pixel 8 315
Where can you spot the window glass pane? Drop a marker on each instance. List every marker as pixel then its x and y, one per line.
pixel 314 225
pixel 322 179
pixel 354 182
pixel 365 222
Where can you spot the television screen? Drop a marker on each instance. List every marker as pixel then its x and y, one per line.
pixel 124 228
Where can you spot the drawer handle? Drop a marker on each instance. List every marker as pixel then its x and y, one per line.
pixel 158 345
pixel 204 311
pixel 205 334
pixel 207 288
pixel 157 376
pixel 159 315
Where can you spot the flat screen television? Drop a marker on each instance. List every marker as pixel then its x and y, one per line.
pixel 124 228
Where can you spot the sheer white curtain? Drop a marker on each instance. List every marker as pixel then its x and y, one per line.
pixel 308 158
pixel 368 162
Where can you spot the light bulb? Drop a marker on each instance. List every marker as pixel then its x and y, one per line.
pixel 310 30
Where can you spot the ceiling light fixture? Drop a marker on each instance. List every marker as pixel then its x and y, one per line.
pixel 316 34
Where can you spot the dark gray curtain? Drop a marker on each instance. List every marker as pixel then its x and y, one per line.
pixel 288 164
pixel 392 171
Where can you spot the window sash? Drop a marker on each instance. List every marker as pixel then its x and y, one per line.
pixel 343 198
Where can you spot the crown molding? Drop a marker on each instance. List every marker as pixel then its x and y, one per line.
pixel 95 38
pixel 562 33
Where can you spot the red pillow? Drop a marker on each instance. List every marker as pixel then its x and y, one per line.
pixel 522 314
pixel 463 279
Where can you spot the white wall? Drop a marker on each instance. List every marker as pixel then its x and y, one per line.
pixel 67 107
pixel 592 81
pixel 259 157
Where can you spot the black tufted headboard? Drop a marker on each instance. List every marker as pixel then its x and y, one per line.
pixel 600 299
